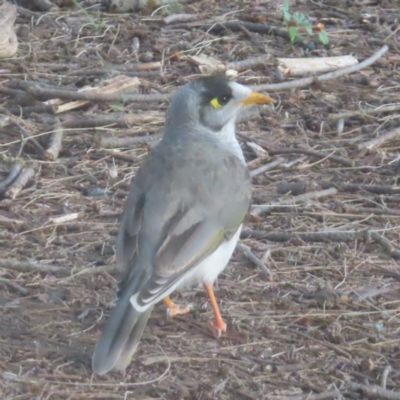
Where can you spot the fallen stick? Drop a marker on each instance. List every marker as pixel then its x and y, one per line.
pixel 12 175
pixel 254 259
pixel 370 144
pixel 263 208
pixel 375 392
pixel 355 187
pixel 276 151
pixel 361 113
pixel 333 394
pixel 298 83
pixel 19 183
pixel 111 142
pixel 310 237
pixel 29 266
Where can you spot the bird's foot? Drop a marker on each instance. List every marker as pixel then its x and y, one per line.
pixel 217 328
pixel 174 309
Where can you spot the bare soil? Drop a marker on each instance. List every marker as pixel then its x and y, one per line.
pixel 323 324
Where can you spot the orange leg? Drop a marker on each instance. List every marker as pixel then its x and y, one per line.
pixel 219 325
pixel 174 309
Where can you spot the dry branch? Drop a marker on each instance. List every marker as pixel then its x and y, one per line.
pixel 298 83
pixel 275 151
pixel 254 259
pixel 267 167
pixel 111 142
pixel 28 266
pixel 392 250
pixel 263 208
pixel 310 237
pixel 375 392
pixel 23 178
pixel 45 94
pixel 363 113
pixel 12 175
pixel 379 141
pixel 354 187
pixel 332 394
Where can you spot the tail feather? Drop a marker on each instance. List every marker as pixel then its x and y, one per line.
pixel 120 337
pixel 133 341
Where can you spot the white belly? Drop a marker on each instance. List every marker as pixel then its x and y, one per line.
pixel 213 265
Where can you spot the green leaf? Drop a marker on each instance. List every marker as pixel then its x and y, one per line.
pixel 301 19
pixel 285 10
pixel 293 33
pixel 285 6
pixel 323 37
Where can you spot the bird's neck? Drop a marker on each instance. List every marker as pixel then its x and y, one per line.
pixel 227 136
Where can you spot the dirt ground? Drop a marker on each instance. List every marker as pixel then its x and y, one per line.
pixel 312 304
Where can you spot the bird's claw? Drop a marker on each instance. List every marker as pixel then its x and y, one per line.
pixel 177 310
pixel 217 328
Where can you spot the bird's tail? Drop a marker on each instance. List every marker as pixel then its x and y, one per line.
pixel 120 337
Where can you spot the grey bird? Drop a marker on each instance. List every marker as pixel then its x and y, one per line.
pixel 183 215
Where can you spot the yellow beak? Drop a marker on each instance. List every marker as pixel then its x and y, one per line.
pixel 257 98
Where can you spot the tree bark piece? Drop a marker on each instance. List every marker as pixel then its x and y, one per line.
pixel 8 37
pixel 312 66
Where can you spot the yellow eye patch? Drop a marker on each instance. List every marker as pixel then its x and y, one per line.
pixel 215 103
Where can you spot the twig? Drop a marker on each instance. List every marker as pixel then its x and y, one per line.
pixel 370 144
pixel 35 143
pixel 333 394
pixel 325 77
pixel 376 392
pixel 267 167
pixel 238 27
pixel 47 94
pixel 253 258
pixel 55 143
pixel 22 180
pixel 317 154
pixel 111 142
pixel 15 286
pixel 393 251
pixel 371 111
pixel 354 187
pixel 263 208
pixel 385 375
pixel 248 63
pixel 29 266
pixel 12 175
pixel 327 236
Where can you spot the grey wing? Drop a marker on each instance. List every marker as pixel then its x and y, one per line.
pixel 199 224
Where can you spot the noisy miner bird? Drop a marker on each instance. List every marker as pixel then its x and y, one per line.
pixel 184 213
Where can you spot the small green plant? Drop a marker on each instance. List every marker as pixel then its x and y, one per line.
pixel 98 23
pixel 299 20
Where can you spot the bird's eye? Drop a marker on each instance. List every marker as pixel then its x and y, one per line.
pixel 218 102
